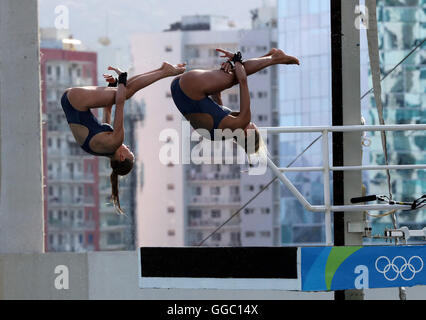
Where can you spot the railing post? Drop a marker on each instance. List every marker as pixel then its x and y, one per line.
pixel 327 197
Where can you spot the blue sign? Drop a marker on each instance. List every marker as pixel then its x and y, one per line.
pixel 341 268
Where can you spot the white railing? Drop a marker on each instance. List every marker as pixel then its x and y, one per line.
pixel 327 208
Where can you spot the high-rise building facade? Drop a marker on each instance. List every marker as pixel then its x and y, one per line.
pixel 182 204
pixel 70 175
pixel 402 27
pixel 305 100
pixel 78 207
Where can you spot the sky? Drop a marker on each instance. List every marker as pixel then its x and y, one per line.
pixel 88 19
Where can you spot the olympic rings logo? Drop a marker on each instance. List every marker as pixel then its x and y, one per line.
pixel 399 266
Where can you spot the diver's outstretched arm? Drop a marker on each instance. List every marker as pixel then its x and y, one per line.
pixel 120 98
pixel 243 118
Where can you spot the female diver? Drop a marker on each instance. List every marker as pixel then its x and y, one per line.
pixel 101 139
pixel 197 94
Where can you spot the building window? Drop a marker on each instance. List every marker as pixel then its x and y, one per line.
pixel 49 142
pixel 265 210
pixel 250 234
pixel 169 117
pixel 262 117
pixel 234 190
pixel 216 237
pixel 197 191
pixel 215 213
pixel 249 187
pixel 114 238
pixel 196 213
pixel 213 53
pixel 168 48
pixel 170 186
pixel 215 191
pixel 235 237
pixel 265 234
pixel 170 165
pixel 90 239
pixel 168 94
pixel 58 72
pixel 249 210
pixel 171 209
pixel 262 94
pixel 171 233
pixel 233 98
pixel 49 70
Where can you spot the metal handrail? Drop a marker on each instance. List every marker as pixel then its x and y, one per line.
pixel 326 168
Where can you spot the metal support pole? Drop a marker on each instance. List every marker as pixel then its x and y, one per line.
pixel 327 196
pixel 345 41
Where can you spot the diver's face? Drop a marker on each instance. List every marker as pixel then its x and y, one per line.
pixel 123 153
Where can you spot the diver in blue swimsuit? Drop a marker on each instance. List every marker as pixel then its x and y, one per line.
pixel 197 95
pixel 100 138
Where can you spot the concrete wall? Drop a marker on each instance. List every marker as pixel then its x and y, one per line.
pixel 21 196
pixel 114 276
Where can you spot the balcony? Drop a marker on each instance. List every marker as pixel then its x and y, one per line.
pixel 67 82
pixel 113 224
pixel 210 223
pixel 76 225
pixel 214 201
pixel 70 177
pixel 202 177
pixel 205 62
pixel 73 153
pixel 55 201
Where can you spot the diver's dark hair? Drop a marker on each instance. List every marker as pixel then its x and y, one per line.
pixel 119 168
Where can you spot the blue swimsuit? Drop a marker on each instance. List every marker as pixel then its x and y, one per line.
pixel 187 106
pixel 87 119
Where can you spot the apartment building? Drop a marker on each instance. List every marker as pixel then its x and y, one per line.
pixel 78 208
pixel 70 175
pixel 182 204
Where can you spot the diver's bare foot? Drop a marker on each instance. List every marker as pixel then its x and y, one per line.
pixel 282 58
pixel 270 53
pixel 117 70
pixel 173 70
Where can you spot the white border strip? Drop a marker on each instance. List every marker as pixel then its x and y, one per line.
pixel 222 284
